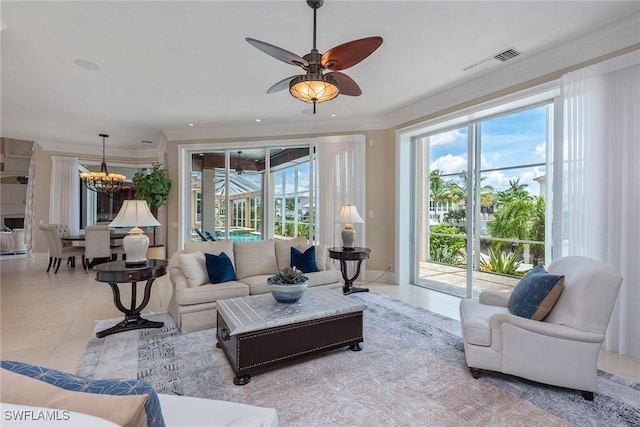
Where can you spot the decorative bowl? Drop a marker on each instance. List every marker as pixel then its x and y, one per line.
pixel 289 293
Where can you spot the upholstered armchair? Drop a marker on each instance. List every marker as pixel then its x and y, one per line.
pixel 561 349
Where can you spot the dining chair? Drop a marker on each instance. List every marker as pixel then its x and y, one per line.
pixel 97 244
pixel 57 250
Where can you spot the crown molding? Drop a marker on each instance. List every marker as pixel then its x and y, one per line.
pixel 96 151
pixel 261 130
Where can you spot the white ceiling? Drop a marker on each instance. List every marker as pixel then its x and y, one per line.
pixel 169 63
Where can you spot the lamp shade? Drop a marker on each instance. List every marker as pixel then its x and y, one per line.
pixel 349 215
pixel 135 213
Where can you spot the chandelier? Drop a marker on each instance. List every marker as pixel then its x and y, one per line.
pixel 103 181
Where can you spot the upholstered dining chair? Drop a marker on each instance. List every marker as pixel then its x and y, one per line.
pixel 97 244
pixel 562 348
pixel 58 251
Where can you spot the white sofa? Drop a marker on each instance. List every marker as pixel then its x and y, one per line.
pixel 193 302
pixel 12 241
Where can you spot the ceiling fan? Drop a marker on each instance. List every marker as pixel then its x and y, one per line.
pixel 316 86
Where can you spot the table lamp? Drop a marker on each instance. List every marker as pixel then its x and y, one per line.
pixel 349 216
pixel 135 213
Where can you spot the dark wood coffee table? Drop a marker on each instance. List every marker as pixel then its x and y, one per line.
pixel 256 332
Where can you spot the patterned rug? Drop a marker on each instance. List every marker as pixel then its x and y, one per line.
pixel 411 372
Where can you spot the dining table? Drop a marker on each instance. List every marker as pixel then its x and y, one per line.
pixel 80 237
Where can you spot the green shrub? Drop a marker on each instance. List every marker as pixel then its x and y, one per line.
pixel 445 249
pixel 501 262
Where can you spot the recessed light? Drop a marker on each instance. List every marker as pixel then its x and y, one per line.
pixel 332 115
pixel 190 125
pixel 258 120
pixel 87 65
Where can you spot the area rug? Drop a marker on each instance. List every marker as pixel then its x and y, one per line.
pixel 411 372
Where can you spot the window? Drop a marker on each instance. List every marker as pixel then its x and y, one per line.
pixel 229 188
pixel 481 195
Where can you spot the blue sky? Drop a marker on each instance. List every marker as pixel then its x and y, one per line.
pixel 512 140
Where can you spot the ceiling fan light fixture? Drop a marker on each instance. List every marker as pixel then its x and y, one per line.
pixel 314 87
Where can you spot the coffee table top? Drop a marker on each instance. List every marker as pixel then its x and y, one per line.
pixel 257 312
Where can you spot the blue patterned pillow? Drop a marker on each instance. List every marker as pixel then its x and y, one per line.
pixel 535 294
pixel 219 268
pixel 110 386
pixel 304 261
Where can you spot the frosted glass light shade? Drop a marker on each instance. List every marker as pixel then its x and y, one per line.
pixel 135 213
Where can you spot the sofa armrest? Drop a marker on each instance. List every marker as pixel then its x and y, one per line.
pixel 181 410
pixel 494 298
pixel 178 279
pixel 543 328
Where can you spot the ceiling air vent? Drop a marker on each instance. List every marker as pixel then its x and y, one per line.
pixel 494 60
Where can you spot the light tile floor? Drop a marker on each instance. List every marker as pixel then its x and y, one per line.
pixel 48 318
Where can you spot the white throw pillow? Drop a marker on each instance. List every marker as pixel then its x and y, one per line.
pixel 254 258
pixel 194 268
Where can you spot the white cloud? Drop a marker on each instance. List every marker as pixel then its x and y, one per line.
pixel 450 164
pixel 540 150
pixel 445 138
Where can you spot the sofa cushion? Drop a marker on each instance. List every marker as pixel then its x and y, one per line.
pixel 219 268
pixel 535 294
pixel 324 277
pixel 304 261
pixel 254 258
pixel 194 268
pixel 210 247
pixel 139 404
pixel 283 250
pixel 210 293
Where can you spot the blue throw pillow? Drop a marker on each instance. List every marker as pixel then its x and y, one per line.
pixel 110 386
pixel 304 261
pixel 219 268
pixel 535 294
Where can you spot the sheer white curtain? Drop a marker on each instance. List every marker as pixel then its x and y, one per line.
pixel 341 176
pixel 601 182
pixel 64 202
pixel 29 220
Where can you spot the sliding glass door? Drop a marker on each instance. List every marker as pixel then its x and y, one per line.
pixel 481 202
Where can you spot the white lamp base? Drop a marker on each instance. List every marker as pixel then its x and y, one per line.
pixel 348 238
pixel 135 246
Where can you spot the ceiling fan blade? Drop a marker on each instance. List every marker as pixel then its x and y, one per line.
pixel 349 54
pixel 282 84
pixel 278 53
pixel 347 85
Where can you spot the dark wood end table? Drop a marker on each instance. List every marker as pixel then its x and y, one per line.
pixel 118 272
pixel 344 255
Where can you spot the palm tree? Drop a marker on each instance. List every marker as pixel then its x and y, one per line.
pixel 439 189
pixel 516 191
pixel 485 190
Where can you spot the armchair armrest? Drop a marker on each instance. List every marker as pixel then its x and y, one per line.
pixel 547 329
pixel 493 298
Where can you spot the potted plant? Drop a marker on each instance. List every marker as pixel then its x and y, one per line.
pixel 153 186
pixel 288 285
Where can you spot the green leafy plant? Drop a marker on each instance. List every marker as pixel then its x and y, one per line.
pixel 501 262
pixel 289 276
pixel 445 249
pixel 152 185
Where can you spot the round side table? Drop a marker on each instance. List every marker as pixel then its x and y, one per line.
pixel 119 272
pixel 344 255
